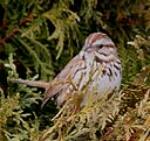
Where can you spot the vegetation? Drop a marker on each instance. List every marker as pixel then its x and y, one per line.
pixel 37 39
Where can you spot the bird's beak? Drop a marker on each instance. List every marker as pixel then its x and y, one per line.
pixel 86 47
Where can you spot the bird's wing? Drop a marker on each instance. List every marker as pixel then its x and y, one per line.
pixel 61 80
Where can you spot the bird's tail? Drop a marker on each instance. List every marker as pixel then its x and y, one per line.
pixel 38 84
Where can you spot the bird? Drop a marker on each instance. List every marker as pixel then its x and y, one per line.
pixel 97 67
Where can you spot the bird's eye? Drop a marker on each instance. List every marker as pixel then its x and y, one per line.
pixel 100 46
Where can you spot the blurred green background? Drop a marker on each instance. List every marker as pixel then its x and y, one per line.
pixel 39 37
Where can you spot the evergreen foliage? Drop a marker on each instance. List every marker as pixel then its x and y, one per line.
pixel 37 39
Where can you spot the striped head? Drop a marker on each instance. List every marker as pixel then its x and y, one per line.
pixel 99 42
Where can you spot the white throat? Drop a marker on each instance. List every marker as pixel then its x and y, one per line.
pixel 105 58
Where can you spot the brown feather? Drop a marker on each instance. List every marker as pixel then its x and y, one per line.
pixel 62 79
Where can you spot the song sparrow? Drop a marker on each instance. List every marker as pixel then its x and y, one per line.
pixel 97 67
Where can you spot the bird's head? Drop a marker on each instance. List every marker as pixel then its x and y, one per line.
pixel 100 43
